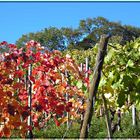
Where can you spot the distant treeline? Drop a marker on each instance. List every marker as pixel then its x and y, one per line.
pixel 83 37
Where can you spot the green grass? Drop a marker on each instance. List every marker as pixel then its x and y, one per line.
pixel 53 131
pixel 97 130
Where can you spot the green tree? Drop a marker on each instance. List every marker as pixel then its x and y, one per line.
pixel 83 37
pixel 51 38
pixel 93 28
pixel 72 36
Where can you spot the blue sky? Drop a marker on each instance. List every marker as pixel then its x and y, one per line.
pixel 17 18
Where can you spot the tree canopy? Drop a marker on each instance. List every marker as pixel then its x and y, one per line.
pixel 83 37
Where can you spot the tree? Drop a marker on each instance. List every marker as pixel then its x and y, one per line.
pixel 92 29
pixel 51 38
pixel 83 37
pixel 72 36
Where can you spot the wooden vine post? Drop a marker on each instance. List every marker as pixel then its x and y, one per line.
pixel 94 84
pixel 108 122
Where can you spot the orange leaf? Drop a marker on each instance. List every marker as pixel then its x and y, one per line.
pixel 60 89
pixel 63 120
